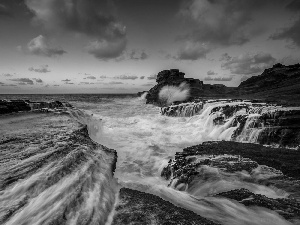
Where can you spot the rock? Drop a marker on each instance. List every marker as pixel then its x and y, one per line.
pixel 15 105
pixel 48 160
pixel 182 109
pixel 279 158
pixel 278 84
pixel 286 207
pixel 276 168
pixel 137 207
pixel 175 78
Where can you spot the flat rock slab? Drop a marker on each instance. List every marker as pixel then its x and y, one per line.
pixel 137 207
pixel 51 172
pixel 283 159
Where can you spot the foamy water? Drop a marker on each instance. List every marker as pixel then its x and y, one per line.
pixel 145 141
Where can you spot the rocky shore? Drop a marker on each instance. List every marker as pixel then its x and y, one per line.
pixel 279 84
pixel 48 169
pixel 39 152
pixel 19 105
pixel 136 207
pixel 50 154
pixel 251 163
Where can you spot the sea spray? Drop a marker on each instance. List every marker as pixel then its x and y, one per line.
pixel 146 142
pixel 169 94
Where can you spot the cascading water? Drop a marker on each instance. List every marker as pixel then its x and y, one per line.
pixel 145 141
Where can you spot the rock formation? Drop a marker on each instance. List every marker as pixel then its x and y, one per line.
pixel 18 105
pixel 279 84
pixel 175 78
pixel 267 166
pixel 49 160
pixel 137 207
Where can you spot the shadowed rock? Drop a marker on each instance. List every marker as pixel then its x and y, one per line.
pixel 137 207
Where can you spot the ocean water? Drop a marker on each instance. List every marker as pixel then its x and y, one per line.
pixel 145 141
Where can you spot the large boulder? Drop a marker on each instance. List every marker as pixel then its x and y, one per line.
pixel 175 78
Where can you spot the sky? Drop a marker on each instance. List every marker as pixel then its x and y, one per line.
pixel 118 46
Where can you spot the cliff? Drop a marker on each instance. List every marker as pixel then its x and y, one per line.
pixel 280 84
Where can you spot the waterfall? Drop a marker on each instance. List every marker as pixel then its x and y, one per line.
pixel 182 110
pixel 241 121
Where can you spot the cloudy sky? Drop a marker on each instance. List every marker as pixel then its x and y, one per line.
pixel 117 46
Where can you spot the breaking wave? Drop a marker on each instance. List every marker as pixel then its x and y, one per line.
pixel 145 144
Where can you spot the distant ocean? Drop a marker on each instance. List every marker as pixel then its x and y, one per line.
pixel 145 141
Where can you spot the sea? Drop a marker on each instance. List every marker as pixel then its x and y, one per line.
pixel 145 141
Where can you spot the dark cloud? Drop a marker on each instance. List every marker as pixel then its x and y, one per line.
pixel 152 77
pixel 211 73
pixel 5 11
pixel 55 85
pixel 40 46
pixel 105 50
pixel 115 82
pixel 94 18
pixel 248 63
pixel 9 85
pixel 90 77
pixel 147 84
pixel 142 77
pixel 221 22
pixel 223 79
pixel 208 79
pixel 84 83
pixel 135 55
pixel 38 80
pixel 126 77
pixel 218 79
pixel 225 57
pixel 41 69
pixel 66 80
pixel 7 75
pixel 69 83
pixel 23 81
pixel 1 83
pixel 192 51
pixel 103 77
pixel 291 33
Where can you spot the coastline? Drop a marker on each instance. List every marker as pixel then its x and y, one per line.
pixel 148 210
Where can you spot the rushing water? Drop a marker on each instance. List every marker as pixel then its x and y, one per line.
pixel 145 141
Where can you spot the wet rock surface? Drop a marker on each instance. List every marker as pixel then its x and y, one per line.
pixel 50 168
pixel 287 208
pixel 266 166
pixel 19 105
pixel 285 160
pixel 182 109
pixel 137 207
